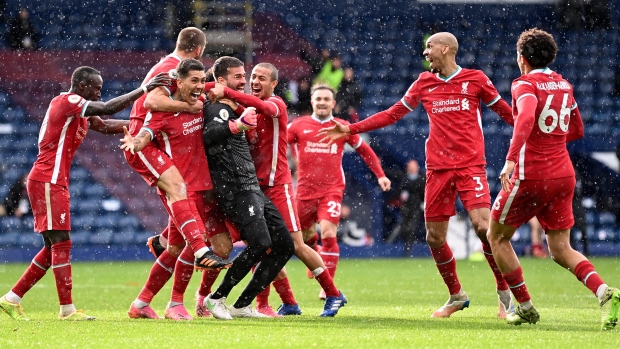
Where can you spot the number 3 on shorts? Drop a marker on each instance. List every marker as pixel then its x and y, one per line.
pixel 479 185
pixel 334 208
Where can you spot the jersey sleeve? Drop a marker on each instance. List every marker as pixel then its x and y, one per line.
pixel 524 121
pixel 354 140
pixel 153 123
pixel 521 88
pixel 489 94
pixel 412 98
pixel 74 105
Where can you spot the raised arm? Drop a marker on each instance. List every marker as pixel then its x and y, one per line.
pixel 108 126
pixel 159 100
pixel 121 102
pixel 266 108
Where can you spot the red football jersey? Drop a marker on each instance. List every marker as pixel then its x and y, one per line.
pixel 319 169
pixel 453 106
pixel 138 112
pixel 543 154
pixel 62 131
pixel 268 146
pixel 180 136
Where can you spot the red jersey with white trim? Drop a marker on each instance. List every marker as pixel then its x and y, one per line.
pixel 138 111
pixel 543 155
pixel 180 136
pixel 62 131
pixel 319 169
pixel 268 146
pixel 454 111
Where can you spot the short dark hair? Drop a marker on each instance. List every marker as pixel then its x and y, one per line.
pixel 209 75
pixel 189 38
pixel 221 65
pixel 538 47
pixel 188 65
pixel 83 74
pixel 274 70
pixel 322 87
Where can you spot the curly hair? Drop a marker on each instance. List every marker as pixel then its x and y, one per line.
pixel 538 47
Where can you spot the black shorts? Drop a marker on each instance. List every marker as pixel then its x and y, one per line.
pixel 247 206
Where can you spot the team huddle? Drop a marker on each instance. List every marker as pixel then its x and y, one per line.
pixel 218 158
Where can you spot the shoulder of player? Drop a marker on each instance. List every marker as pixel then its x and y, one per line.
pixel 69 99
pixel 217 108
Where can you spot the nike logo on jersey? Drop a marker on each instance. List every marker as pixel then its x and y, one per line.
pixel 479 195
pixel 307 131
pixel 432 89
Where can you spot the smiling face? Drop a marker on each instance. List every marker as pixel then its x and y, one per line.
pixel 235 78
pixel 434 54
pixel 323 103
pixel 192 86
pixel 262 83
pixel 91 89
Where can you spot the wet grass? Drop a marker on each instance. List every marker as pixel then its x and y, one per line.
pixel 390 301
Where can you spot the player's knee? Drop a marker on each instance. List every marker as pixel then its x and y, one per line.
pixel 175 250
pixel 222 250
pixel 283 242
pixel 435 240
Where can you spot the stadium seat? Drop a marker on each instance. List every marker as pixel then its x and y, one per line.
pixel 101 237
pixel 10 224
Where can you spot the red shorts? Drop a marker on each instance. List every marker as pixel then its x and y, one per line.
pixel 150 163
pixel 316 210
pixel 210 217
pixel 50 206
pixel 443 185
pixel 550 200
pixel 281 195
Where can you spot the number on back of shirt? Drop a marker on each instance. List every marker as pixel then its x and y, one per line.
pixel 549 118
pixel 334 208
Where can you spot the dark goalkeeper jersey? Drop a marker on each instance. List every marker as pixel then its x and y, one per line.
pixel 230 163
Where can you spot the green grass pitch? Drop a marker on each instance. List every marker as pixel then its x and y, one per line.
pixel 390 302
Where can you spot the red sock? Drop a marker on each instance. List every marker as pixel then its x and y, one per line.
pixel 35 272
pixel 160 274
pixel 183 270
pixel 499 279
pixel 447 267
pixel 330 252
pixel 585 272
pixel 313 242
pixel 188 224
pixel 262 299
pixel 283 287
pixel 61 266
pixel 208 279
pixel 327 283
pixel 517 285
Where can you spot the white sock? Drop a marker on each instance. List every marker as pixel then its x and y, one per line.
pixel 600 291
pixel 316 272
pixel 12 297
pixel 526 305
pixel 163 241
pixel 201 252
pixel 140 304
pixel 67 309
pixel 173 304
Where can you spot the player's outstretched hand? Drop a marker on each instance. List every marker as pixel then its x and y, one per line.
pixel 334 133
pixel 127 141
pixel 504 176
pixel 161 79
pixel 385 183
